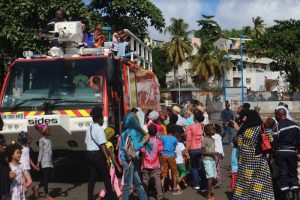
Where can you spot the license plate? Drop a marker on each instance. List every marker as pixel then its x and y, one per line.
pixel 13 116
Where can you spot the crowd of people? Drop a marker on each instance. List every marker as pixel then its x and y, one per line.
pixel 161 148
pixel 160 151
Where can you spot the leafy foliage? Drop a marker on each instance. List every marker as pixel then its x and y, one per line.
pixel 208 62
pixel 259 27
pixel 179 46
pixel 281 43
pixel 135 15
pixel 22 20
pixel 210 29
pixel 233 33
pixel 160 66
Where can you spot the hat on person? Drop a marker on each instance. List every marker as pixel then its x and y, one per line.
pixel 41 127
pixel 176 108
pixel 109 133
pixel 153 115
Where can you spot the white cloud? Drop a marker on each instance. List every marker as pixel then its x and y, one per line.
pixel 189 10
pixel 239 13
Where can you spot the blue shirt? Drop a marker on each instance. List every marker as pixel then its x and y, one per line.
pixel 227 115
pixel 97 134
pixel 169 143
pixel 189 121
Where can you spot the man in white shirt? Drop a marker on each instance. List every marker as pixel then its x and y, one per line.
pixel 97 155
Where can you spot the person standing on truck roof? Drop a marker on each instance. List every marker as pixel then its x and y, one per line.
pixel 97 155
pixel 58 17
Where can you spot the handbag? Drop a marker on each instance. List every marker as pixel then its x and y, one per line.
pixel 129 150
pixel 265 142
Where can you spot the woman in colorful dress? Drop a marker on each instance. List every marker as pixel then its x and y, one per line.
pixel 253 175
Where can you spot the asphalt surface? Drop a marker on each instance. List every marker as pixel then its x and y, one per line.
pixel 78 191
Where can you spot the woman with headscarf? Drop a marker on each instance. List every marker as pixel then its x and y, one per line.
pixel 132 131
pixel 253 175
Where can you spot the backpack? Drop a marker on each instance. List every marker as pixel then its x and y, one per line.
pixel 129 150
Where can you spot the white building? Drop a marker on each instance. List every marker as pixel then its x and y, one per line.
pixel 257 71
pixel 184 70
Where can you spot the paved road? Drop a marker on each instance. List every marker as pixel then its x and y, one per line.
pixel 77 191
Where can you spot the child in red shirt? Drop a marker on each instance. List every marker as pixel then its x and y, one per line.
pixel 151 167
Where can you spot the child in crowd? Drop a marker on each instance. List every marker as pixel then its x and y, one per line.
pixel 44 159
pixel 181 152
pixel 218 148
pixel 234 163
pixel 20 178
pixel 169 157
pixel 154 119
pixel 109 133
pixel 25 160
pixel 151 162
pixel 209 154
pixel 98 37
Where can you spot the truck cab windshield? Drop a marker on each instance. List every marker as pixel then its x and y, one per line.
pixel 67 79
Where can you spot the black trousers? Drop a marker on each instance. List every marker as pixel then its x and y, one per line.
pixel 98 166
pixel 46 174
pixel 287 169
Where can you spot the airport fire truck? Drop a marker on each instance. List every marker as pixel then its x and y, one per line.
pixel 61 88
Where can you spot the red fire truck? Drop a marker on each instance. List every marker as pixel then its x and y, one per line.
pixel 61 89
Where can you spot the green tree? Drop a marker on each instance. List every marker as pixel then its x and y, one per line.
pixel 160 65
pixel 233 33
pixel 281 43
pixel 259 27
pixel 21 22
pixel 209 29
pixel 247 31
pixel 208 62
pixel 135 15
pixel 178 49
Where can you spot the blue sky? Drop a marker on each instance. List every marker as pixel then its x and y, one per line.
pixel 208 7
pixel 228 13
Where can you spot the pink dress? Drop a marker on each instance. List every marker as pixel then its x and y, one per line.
pixel 17 185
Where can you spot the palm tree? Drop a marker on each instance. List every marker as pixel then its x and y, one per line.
pixel 178 49
pixel 259 27
pixel 208 62
pixel 247 30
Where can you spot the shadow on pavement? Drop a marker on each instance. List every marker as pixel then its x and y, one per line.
pixel 56 192
pixel 229 195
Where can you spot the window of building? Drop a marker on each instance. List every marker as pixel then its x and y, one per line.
pixel 248 80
